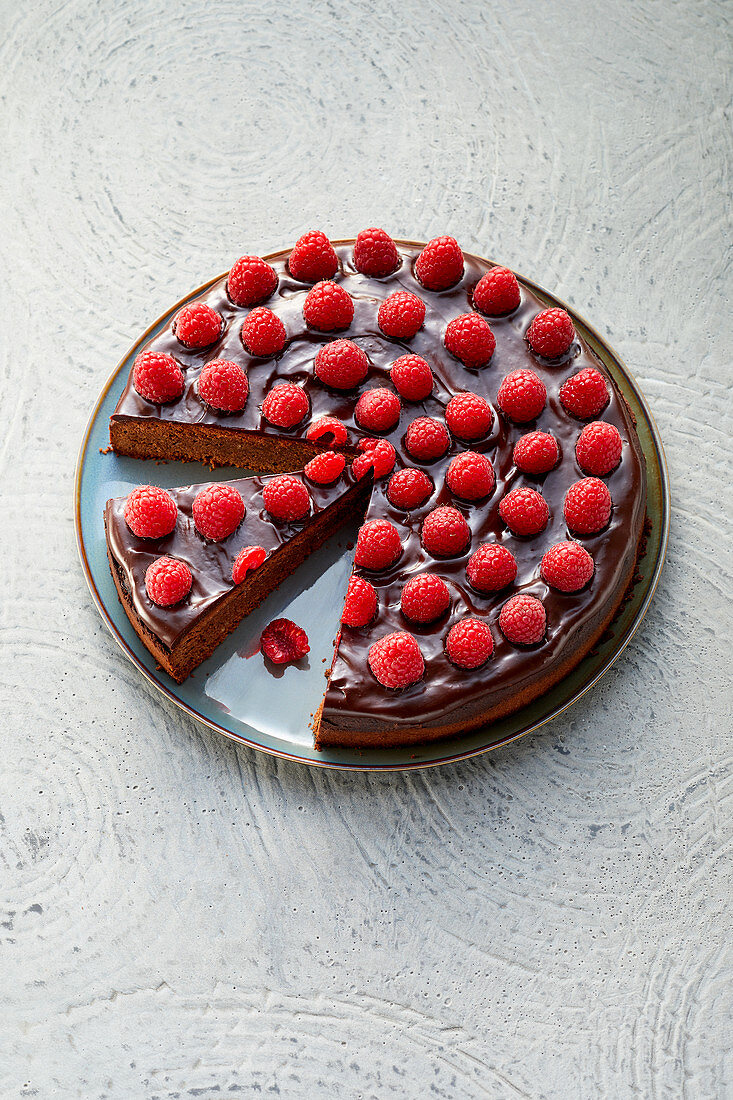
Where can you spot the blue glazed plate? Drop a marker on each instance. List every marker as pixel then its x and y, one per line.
pixel 233 693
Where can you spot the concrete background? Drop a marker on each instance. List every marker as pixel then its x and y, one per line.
pixel 181 918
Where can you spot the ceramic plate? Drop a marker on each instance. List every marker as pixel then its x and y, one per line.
pixel 233 693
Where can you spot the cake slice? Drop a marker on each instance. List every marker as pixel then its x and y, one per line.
pixel 285 518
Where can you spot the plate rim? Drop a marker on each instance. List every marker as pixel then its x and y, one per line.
pixel 366 766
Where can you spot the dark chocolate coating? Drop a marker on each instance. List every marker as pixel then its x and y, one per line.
pixel 354 697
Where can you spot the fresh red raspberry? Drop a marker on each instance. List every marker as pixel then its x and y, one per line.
pixel 286 498
pixel 377 454
pixel 377 410
pixel 285 405
pixel 523 620
pixel 157 377
pixel 411 377
pixel 150 512
pixel 491 567
pixel 378 545
pixel 375 253
pixel 524 511
pixel 325 468
pixel 440 264
pixel 567 566
pixel 598 449
pixel 497 292
pixel 427 439
pixel 584 394
pixel 328 429
pixel 470 476
pixel 536 453
pixel 248 559
pixel 283 641
pixel 251 281
pixel 469 643
pixel 313 258
pixel 217 511
pixel 224 386
pixel 425 598
pixel 401 315
pixel 445 533
pixel 470 339
pixel 551 333
pixel 360 605
pixel 263 333
pixel 469 416
pixel 168 581
pixel 342 365
pixel 522 395
pixel 198 325
pixel 587 507
pixel 328 307
pixel 409 489
pixel 396 660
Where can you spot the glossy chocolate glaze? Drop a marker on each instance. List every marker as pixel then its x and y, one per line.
pixel 210 562
pixel 354 698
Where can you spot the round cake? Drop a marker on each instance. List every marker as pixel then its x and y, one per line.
pixel 504 484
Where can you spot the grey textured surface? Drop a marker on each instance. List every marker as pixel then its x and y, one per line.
pixel 182 918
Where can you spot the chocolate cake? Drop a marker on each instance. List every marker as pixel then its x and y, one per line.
pixel 479 327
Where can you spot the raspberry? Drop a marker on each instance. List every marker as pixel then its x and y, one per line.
pixel 491 567
pixel 375 253
pixel 157 377
pixel 401 315
pixel 584 394
pixel 551 333
pixel 497 292
pixel 522 395
pixel 168 581
pixel 283 641
pixel 440 264
pixel 470 339
pixel 378 545
pixel 567 566
pixel 249 558
pixel 598 449
pixel 377 454
pixel 251 281
pixel 470 476
pixel 217 511
pixel 328 307
pixel 427 439
pixel 197 325
pixel 587 507
pixel 523 620
pixel 536 453
pixel 360 605
pixel 469 416
pixel 224 386
pixel 425 598
pixel 150 512
pixel 524 511
pixel 263 333
pixel 445 533
pixel 377 410
pixel 409 488
pixel 325 468
pixel 342 365
pixel 469 643
pixel 313 258
pixel 396 660
pixel 286 498
pixel 328 429
pixel 411 377
pixel 285 405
